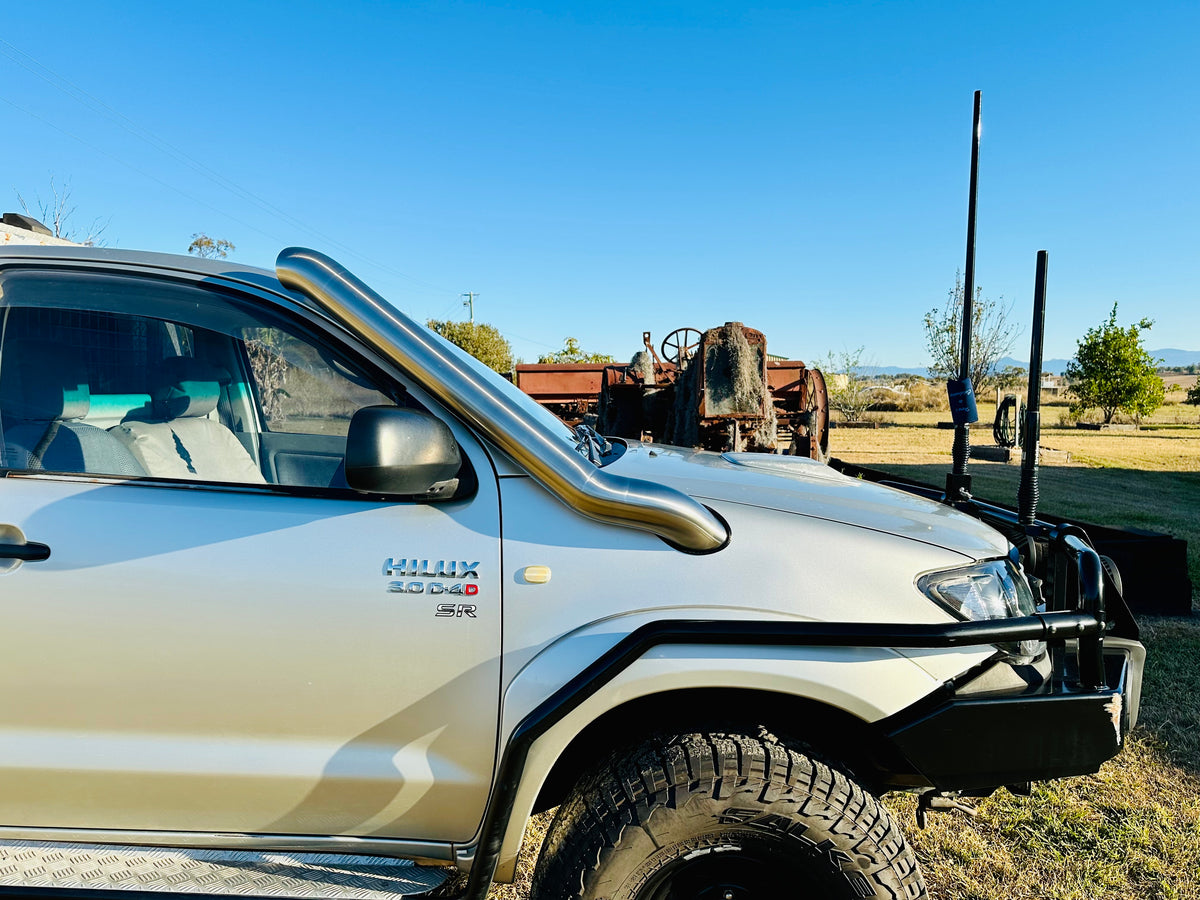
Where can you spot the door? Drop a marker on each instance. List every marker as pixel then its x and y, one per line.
pixel 224 637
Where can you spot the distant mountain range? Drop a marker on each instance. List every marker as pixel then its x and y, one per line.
pixel 1170 357
pixel 1173 358
pixel 1049 366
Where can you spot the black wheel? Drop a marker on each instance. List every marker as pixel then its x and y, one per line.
pixel 722 817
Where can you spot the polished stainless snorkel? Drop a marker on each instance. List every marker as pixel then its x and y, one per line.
pixel 615 499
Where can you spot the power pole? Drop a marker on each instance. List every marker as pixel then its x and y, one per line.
pixel 470 303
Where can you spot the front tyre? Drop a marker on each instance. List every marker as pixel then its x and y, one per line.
pixel 722 817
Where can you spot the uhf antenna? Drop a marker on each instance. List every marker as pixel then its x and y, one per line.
pixel 962 393
pixel 1027 491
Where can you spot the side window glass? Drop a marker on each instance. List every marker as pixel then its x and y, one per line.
pixel 67 376
pixel 299 390
pixel 114 375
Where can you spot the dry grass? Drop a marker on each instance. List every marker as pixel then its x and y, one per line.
pixel 1167 441
pixel 1177 383
pixel 534 833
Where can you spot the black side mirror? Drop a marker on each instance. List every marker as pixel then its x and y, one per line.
pixel 390 450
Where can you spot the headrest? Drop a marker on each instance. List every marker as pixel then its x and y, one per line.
pixel 41 382
pixel 185 388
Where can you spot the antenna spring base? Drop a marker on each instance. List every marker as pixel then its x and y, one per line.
pixel 961 452
pixel 1028 495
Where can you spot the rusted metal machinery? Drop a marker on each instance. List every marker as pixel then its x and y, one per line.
pixel 569 390
pixel 801 407
pixel 716 389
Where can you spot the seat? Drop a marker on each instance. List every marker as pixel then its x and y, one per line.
pixel 44 392
pixel 179 440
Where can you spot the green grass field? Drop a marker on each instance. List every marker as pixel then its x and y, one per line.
pixel 1133 829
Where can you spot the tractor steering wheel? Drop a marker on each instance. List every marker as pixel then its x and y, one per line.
pixel 679 346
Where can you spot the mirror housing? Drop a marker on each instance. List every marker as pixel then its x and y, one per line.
pixel 392 450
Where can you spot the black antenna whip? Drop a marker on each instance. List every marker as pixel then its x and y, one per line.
pixel 1027 491
pixel 962 393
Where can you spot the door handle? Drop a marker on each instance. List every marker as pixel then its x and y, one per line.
pixel 28 552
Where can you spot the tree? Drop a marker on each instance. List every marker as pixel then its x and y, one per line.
pixel 849 390
pixel 482 341
pixel 54 213
pixel 1193 394
pixel 1112 371
pixel 1011 378
pixel 270 371
pixel 573 353
pixel 992 336
pixel 210 248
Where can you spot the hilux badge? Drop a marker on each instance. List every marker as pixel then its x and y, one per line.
pixel 436 568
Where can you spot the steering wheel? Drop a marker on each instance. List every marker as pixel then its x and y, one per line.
pixel 680 344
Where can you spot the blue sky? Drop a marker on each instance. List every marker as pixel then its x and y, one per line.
pixel 600 169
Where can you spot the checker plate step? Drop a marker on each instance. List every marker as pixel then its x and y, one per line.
pixel 236 873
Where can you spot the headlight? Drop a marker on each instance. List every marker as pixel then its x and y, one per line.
pixel 989 590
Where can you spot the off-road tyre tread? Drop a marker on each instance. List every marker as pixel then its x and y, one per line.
pixel 604 817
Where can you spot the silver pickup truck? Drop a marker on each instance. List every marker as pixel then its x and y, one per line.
pixel 299 600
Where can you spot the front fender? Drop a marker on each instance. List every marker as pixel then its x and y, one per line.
pixel 867 683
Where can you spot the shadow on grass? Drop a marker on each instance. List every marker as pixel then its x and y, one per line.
pixel 1189 429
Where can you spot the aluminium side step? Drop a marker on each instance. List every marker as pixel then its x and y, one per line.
pixel 60 869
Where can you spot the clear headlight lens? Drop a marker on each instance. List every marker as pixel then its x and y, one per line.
pixel 995 589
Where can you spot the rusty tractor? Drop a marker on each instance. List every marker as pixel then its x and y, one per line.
pixel 717 390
